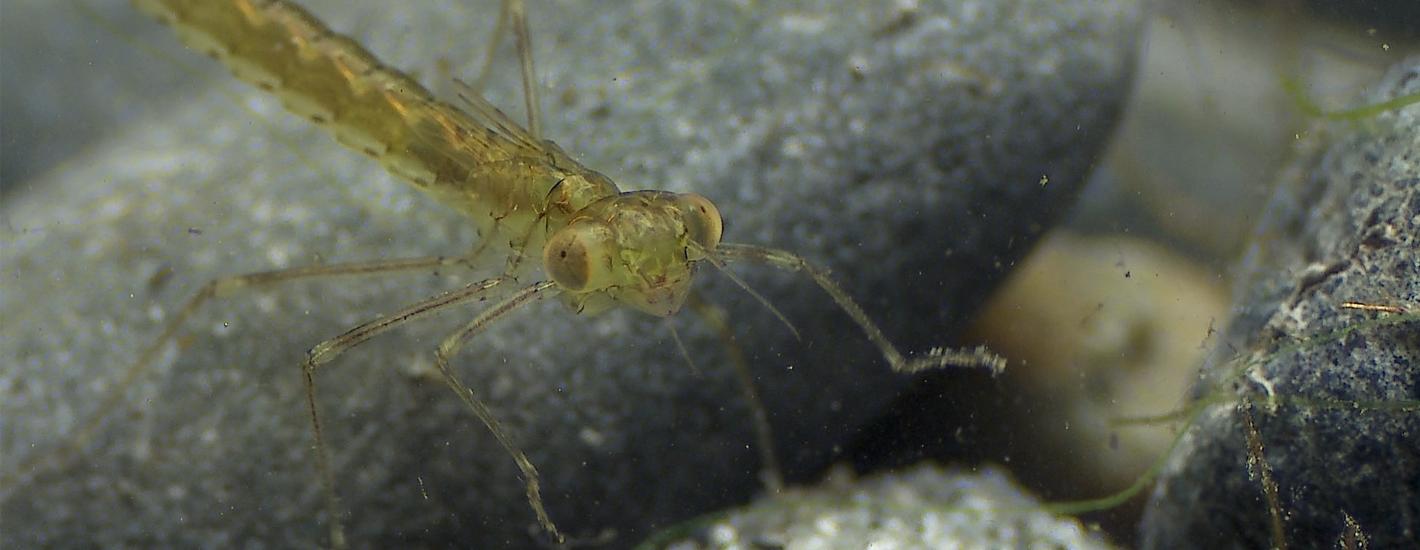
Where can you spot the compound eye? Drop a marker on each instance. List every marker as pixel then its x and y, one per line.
pixel 579 257
pixel 702 220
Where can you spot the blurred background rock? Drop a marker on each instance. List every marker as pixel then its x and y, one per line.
pixel 1110 316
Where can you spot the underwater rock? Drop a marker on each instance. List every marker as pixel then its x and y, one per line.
pixel 924 506
pixel 1098 328
pixel 904 149
pixel 1397 19
pixel 1334 418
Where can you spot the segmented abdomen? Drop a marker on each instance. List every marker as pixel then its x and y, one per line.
pixel 369 107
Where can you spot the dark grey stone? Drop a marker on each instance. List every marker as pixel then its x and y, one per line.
pixel 1347 229
pixel 902 148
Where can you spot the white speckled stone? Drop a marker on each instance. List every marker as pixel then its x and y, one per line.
pixel 924 506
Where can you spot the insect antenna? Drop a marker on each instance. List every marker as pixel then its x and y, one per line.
pixel 720 265
pixel 788 261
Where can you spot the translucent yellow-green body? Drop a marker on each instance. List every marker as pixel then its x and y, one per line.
pixel 635 248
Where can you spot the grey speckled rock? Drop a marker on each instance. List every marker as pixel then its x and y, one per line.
pixel 902 148
pixel 920 507
pixel 1348 231
pixel 53 105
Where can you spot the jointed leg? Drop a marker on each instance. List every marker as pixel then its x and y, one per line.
pixel 328 350
pixel 215 288
pixel 513 11
pixel 480 82
pixel 450 347
pixel 714 316
pixel 935 358
pixel 519 18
